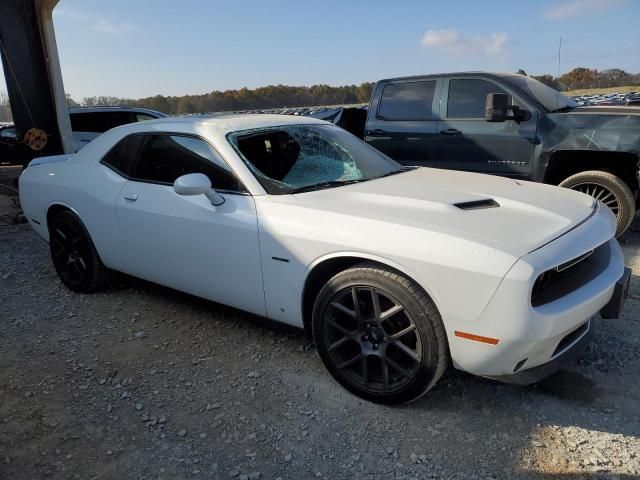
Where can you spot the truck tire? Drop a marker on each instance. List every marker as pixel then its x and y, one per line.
pixel 610 190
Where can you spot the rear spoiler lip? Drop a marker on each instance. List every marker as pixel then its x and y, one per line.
pixel 50 159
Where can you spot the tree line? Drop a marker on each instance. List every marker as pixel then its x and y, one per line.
pixel 278 96
pixel 272 96
pixel 581 77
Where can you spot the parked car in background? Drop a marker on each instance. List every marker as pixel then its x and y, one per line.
pixel 86 124
pixel 540 135
pixel 529 132
pixel 89 122
pixel 11 150
pixel 394 271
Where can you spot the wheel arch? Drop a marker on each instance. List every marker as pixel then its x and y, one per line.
pixel 53 209
pixel 564 163
pixel 325 267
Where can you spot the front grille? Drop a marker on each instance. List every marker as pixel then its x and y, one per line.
pixel 564 279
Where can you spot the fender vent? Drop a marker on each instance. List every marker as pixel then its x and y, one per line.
pixel 477 204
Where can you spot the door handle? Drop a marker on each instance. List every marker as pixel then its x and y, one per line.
pixel 450 131
pixel 376 133
pixel 131 196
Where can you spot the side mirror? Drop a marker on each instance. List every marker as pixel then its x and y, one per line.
pixel 497 109
pixel 197 184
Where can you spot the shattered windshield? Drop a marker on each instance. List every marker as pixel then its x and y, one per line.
pixel 296 158
pixel 550 98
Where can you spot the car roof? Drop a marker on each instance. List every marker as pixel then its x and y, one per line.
pixel 453 74
pixel 116 108
pixel 222 123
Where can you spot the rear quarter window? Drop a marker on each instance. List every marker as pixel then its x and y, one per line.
pixel 407 101
pixel 122 157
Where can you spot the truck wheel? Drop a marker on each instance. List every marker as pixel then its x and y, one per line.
pixel 379 334
pixel 608 189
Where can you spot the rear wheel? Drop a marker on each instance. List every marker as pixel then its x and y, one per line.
pixel 608 189
pixel 74 256
pixel 379 334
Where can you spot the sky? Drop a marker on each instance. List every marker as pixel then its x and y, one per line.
pixel 141 48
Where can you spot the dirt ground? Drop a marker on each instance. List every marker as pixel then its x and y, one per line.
pixel 143 382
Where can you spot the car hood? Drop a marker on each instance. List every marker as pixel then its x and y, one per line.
pixel 525 216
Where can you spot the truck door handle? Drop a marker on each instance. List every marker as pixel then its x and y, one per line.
pixel 131 196
pixel 450 131
pixel 376 133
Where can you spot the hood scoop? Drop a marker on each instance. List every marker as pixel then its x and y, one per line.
pixel 477 204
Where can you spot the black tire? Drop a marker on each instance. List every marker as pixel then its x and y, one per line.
pixel 74 255
pixel 610 190
pixel 350 340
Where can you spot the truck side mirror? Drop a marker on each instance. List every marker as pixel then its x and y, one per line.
pixel 496 107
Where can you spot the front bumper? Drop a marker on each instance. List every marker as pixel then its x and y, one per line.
pixel 573 350
pixel 620 293
pixel 568 356
pixel 533 341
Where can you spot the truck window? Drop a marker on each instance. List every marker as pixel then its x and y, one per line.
pixel 407 101
pixel 98 122
pixel 467 97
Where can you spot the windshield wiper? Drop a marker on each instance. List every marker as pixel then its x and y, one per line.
pixel 329 184
pixel 566 108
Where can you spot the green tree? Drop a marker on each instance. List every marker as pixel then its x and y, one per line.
pixel 548 80
pixel 70 101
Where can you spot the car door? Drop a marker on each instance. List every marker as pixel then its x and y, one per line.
pixel 466 141
pixel 184 242
pixel 402 122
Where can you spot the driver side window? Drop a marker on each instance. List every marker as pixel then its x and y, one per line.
pixel 164 158
pixel 467 97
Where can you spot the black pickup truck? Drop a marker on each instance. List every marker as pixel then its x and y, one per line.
pixel 511 125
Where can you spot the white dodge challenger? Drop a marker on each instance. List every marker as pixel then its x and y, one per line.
pixel 395 272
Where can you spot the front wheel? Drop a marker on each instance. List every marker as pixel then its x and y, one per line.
pixel 608 189
pixel 379 334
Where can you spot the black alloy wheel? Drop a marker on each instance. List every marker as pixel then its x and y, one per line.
pixel 379 334
pixel 74 255
pixel 372 339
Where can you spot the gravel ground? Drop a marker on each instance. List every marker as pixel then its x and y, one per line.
pixel 140 381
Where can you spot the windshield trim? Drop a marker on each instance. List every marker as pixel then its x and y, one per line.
pixel 509 80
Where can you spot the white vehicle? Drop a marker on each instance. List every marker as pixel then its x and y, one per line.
pixel 394 271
